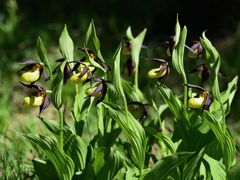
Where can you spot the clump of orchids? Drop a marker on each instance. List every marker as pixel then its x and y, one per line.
pixel 81 72
pixel 195 51
pixel 29 75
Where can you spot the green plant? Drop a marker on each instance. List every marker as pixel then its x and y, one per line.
pixel 117 130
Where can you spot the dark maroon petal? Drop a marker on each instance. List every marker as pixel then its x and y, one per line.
pixel 198 68
pixel 45 76
pixel 33 86
pixel 104 91
pixel 60 60
pixel 67 73
pixel 97 79
pixel 155 59
pixel 84 71
pixel 171 44
pixel 28 62
pixel 25 69
pixel 106 67
pixel 205 74
pixel 130 66
pixel 45 105
pixel 195 87
pixel 98 89
pixel 164 66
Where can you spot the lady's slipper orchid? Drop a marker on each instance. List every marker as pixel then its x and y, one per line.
pixel 203 71
pixel 82 70
pixel 196 50
pixel 31 72
pixel 40 99
pixel 202 100
pixel 97 90
pixel 160 73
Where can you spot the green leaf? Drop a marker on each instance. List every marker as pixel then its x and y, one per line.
pixel 167 141
pixel 88 33
pixel 81 104
pixel 133 93
pixel 174 104
pixel 133 131
pixel 76 148
pixel 44 170
pixel 191 167
pixel 136 46
pixel 57 86
pixel 91 36
pixel 91 60
pixel 216 167
pixel 234 172
pixel 223 137
pixel 178 51
pixel 226 97
pixel 42 53
pixel 74 145
pixel 210 52
pixel 177 31
pixel 66 45
pixel 107 163
pixel 166 166
pixel 213 58
pixel 129 33
pixel 62 163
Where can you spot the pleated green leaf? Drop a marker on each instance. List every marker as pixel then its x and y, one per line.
pixel 76 148
pixel 166 166
pixel 167 141
pixel 226 97
pixel 216 168
pixel 174 104
pixel 178 51
pixel 223 137
pixel 91 37
pixel 42 53
pixel 74 145
pixel 66 45
pixel 136 46
pixel 106 163
pixel 234 172
pixel 133 93
pixel 191 166
pixel 213 59
pixel 62 163
pixel 57 86
pixel 210 52
pixel 133 131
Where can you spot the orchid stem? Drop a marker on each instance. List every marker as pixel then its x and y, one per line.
pixel 61 119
